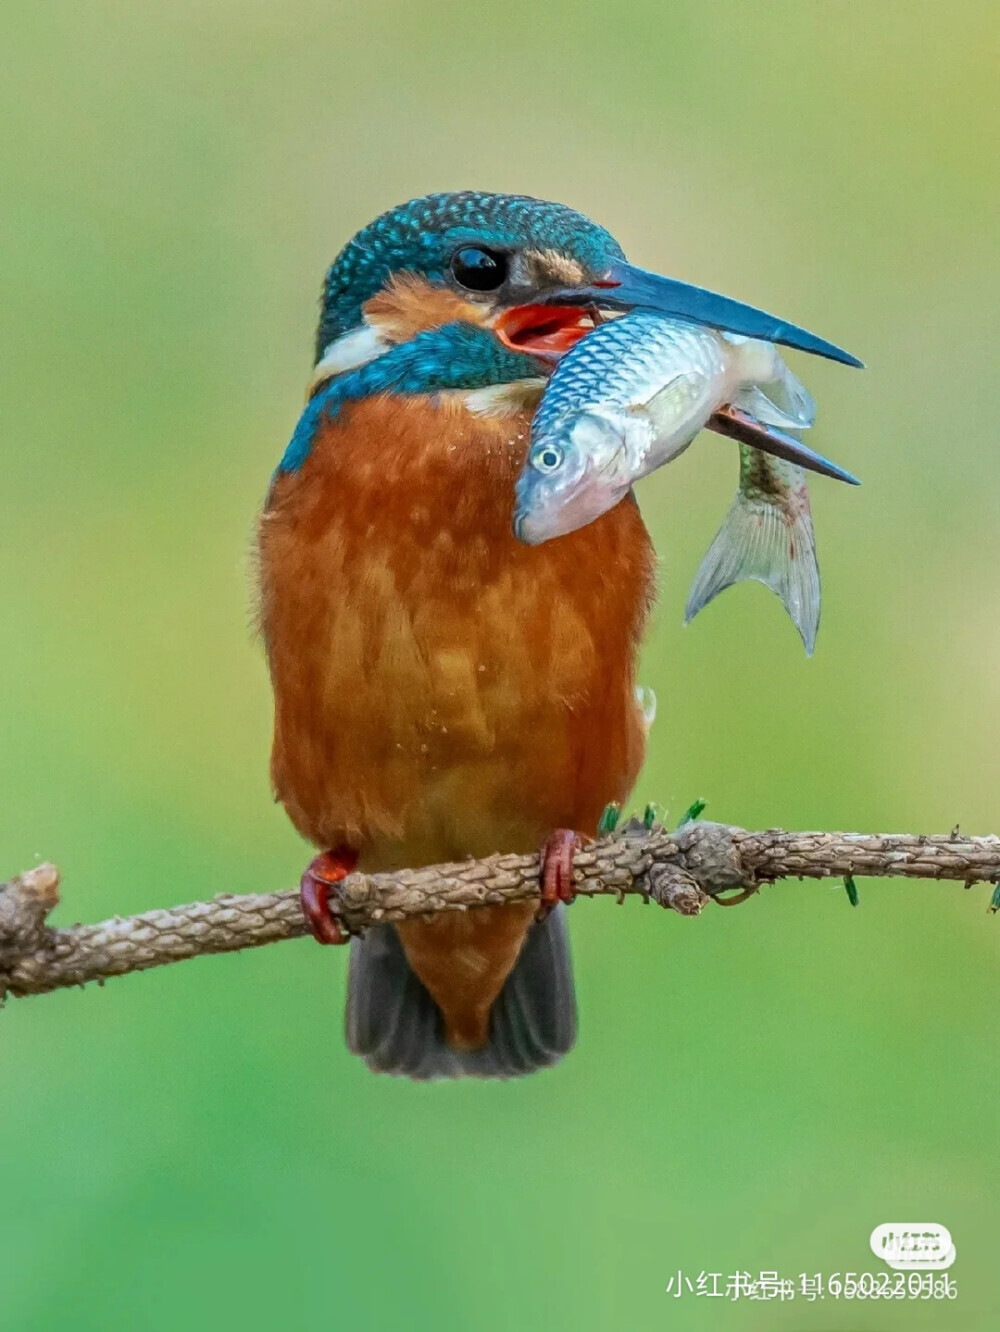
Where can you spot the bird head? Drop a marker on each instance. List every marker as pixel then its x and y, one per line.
pixel 487 258
pixel 534 273
pixel 467 291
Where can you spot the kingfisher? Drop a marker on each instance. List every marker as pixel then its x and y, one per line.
pixel 441 689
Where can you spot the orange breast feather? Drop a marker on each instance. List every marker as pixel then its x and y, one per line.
pixel 442 690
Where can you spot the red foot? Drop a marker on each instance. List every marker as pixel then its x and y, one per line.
pixel 322 873
pixel 558 851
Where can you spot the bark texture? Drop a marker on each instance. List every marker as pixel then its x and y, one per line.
pixel 683 871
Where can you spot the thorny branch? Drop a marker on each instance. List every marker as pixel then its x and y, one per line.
pixel 683 870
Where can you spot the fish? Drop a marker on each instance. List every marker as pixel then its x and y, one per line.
pixel 631 395
pixel 767 535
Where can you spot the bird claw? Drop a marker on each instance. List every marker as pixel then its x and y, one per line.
pixel 557 854
pixel 322 875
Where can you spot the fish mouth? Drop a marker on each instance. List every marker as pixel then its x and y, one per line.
pixel 625 287
pixel 534 527
pixel 579 505
pixel 544 330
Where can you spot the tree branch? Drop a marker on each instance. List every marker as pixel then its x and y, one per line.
pixel 682 870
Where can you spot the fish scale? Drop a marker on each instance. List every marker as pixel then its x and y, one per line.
pixel 626 357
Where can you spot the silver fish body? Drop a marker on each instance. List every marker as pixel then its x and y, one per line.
pixel 631 396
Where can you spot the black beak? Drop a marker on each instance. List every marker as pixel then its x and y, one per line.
pixel 730 421
pixel 625 287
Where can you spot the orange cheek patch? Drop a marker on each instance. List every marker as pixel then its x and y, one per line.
pixel 543 330
pixel 410 304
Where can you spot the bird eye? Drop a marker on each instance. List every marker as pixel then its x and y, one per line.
pixel 547 458
pixel 479 269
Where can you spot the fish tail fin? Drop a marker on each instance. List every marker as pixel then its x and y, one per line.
pixel 396 1027
pixel 761 541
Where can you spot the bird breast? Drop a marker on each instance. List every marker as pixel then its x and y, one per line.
pixel 442 690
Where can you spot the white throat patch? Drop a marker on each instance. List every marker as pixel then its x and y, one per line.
pixel 505 399
pixel 348 352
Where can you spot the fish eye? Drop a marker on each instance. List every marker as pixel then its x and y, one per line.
pixel 479 269
pixel 547 458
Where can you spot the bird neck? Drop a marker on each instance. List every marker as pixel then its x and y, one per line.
pixel 457 355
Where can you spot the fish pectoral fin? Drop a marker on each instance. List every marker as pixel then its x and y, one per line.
pixel 682 401
pixel 769 544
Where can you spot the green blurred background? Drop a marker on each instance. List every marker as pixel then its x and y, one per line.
pixel 756 1090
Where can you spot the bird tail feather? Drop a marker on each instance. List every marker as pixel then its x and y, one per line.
pixel 395 1026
